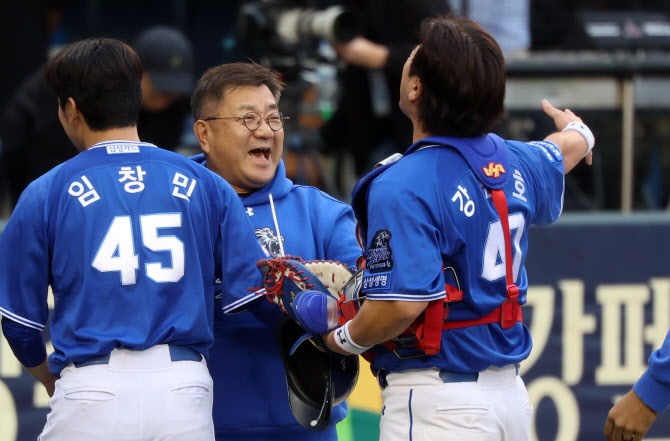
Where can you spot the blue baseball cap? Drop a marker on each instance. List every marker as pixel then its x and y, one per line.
pixel 167 57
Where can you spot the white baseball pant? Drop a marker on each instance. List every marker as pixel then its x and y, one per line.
pixel 420 406
pixel 136 396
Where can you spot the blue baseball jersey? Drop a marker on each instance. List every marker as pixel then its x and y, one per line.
pixel 430 211
pixel 245 362
pixel 130 237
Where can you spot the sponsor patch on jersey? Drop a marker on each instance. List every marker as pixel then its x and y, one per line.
pixel 379 256
pixel 550 150
pixel 116 149
pixel 377 281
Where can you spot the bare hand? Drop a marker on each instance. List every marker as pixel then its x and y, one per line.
pixel 42 374
pixel 50 386
pixel 629 416
pixel 561 119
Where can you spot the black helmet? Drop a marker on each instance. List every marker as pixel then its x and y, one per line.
pixel 316 380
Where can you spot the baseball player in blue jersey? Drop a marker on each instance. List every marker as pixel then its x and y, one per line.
pixel 130 238
pixel 445 235
pixel 632 416
pixel 240 131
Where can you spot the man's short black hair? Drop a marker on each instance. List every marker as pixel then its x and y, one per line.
pixel 103 76
pixel 462 73
pixel 211 88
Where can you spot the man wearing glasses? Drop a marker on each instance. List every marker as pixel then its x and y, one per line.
pixel 240 130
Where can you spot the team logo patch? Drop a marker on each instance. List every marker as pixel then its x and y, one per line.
pixel 116 149
pixel 379 256
pixel 269 241
pixel 493 170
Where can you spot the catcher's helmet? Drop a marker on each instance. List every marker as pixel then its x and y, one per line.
pixel 316 380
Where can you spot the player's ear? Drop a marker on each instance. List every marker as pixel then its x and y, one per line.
pixel 415 89
pixel 71 112
pixel 201 130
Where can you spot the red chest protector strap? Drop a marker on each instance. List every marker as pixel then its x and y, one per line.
pixel 510 311
pixel 429 326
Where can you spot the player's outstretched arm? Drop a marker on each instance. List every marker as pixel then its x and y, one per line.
pixel 629 416
pixel 575 140
pixel 636 411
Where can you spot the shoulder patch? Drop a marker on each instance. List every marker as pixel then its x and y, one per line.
pixel 379 256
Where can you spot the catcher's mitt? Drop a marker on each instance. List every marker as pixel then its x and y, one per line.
pixel 308 291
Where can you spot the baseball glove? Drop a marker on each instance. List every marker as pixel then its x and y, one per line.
pixel 308 291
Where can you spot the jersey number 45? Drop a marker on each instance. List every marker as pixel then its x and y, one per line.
pixel 117 250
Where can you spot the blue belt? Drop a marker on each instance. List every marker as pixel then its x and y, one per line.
pixel 445 376
pixel 177 353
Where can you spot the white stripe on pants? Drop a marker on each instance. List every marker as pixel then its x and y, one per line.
pixel 419 406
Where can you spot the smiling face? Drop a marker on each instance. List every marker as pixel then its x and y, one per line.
pixel 247 160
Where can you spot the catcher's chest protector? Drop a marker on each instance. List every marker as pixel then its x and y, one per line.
pixel 425 334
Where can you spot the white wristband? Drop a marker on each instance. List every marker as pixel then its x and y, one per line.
pixel 584 131
pixel 343 340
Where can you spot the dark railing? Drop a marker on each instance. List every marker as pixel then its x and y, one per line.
pixel 621 80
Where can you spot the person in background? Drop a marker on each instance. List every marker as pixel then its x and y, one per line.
pixel 239 126
pixel 167 83
pixel 34 141
pixel 367 123
pixel 33 138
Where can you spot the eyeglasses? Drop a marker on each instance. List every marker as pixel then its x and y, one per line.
pixel 253 120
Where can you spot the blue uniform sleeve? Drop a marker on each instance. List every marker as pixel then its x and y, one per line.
pixel 398 220
pixel 265 312
pixel 545 164
pixel 654 386
pixel 26 343
pixel 24 260
pixel 240 251
pixel 342 245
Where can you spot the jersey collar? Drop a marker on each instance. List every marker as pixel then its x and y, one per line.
pixel 120 142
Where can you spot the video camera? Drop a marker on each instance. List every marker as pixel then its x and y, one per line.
pixel 275 28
